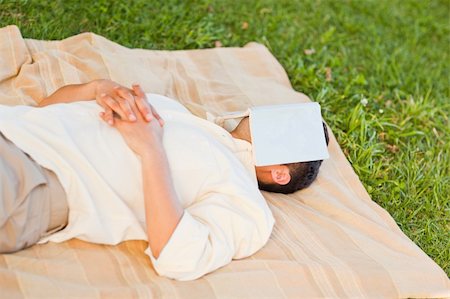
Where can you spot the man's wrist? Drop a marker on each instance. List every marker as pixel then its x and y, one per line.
pixel 151 150
pixel 96 85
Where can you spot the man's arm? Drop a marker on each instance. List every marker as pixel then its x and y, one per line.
pixel 72 93
pixel 162 208
pixel 112 96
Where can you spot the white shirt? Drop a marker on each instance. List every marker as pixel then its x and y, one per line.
pixel 225 214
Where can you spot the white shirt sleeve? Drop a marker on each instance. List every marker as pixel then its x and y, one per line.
pixel 210 234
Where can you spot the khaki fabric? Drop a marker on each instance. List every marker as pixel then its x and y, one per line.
pixel 32 201
pixel 330 240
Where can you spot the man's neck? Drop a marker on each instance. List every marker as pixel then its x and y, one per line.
pixel 242 131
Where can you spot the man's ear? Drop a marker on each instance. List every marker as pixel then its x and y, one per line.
pixel 280 175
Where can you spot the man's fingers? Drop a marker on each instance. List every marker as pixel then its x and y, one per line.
pixel 138 90
pixel 141 101
pixel 144 108
pixel 157 116
pixel 124 93
pixel 126 108
pixel 114 106
pixel 107 116
pixel 119 104
pixel 147 110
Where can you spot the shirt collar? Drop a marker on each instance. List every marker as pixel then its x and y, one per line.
pixel 242 148
pixel 244 152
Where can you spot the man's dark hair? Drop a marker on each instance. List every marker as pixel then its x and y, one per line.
pixel 302 174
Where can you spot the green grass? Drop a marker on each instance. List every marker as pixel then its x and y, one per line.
pixel 393 54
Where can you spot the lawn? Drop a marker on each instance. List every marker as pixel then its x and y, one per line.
pixel 379 69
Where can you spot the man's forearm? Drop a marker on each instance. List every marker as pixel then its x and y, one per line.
pixel 72 93
pixel 162 208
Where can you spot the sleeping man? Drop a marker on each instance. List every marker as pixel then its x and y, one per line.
pixel 140 171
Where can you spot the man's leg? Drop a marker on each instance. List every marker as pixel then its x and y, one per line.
pixel 32 201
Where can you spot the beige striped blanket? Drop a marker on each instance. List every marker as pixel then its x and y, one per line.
pixel 329 241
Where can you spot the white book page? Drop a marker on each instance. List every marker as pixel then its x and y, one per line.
pixel 287 133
